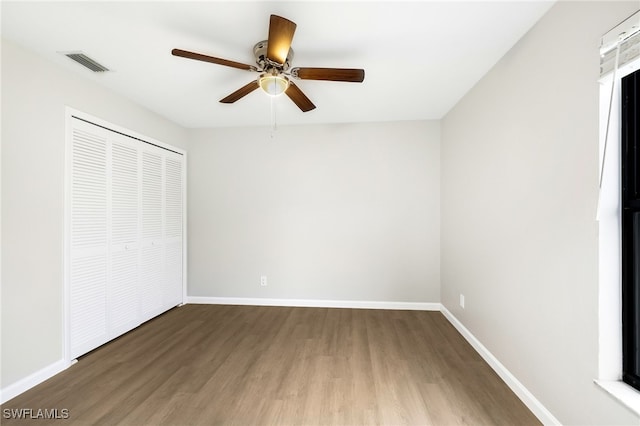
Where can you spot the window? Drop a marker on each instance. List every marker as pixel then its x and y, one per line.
pixel 630 220
pixel 619 59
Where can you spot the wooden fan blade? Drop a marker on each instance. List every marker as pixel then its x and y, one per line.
pixel 240 93
pixel 212 59
pixel 295 94
pixel 280 36
pixel 332 74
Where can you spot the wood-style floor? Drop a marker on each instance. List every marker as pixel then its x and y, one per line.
pixel 240 365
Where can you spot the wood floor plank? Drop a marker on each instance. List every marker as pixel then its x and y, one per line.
pixel 249 365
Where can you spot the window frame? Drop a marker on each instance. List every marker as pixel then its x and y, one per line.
pixel 609 255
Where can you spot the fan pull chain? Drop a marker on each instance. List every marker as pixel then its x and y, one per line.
pixel 274 126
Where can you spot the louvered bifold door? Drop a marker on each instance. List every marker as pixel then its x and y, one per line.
pixel 88 240
pixel 173 188
pixel 151 251
pixel 124 246
pixel 124 233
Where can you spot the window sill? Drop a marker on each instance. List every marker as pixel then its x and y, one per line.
pixel 625 394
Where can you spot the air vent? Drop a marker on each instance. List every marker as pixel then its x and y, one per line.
pixel 86 61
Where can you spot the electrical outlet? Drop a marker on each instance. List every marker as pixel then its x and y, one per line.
pixel 462 301
pixel 263 281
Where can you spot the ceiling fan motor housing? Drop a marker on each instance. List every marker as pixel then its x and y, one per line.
pixel 260 53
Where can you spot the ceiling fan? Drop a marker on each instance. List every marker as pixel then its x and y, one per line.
pixel 273 57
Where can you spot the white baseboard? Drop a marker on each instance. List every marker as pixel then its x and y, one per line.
pixel 311 303
pixel 514 384
pixel 32 380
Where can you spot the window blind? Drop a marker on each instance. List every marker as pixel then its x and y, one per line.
pixel 623 41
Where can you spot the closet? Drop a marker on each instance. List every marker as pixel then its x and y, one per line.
pixel 124 232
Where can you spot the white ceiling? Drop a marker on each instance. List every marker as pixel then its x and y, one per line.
pixel 420 57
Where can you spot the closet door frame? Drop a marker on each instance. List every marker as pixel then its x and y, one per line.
pixel 71 115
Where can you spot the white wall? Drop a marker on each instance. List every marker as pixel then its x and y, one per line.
pixel 34 96
pixel 519 194
pixel 333 212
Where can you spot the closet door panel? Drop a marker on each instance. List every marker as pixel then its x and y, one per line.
pixel 151 282
pixel 151 260
pixel 152 202
pixel 173 197
pixel 88 295
pixel 173 275
pixel 173 229
pixel 89 214
pixel 123 292
pixel 125 207
pixel 124 193
pixel 88 263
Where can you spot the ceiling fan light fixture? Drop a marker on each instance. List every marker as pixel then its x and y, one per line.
pixel 273 85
